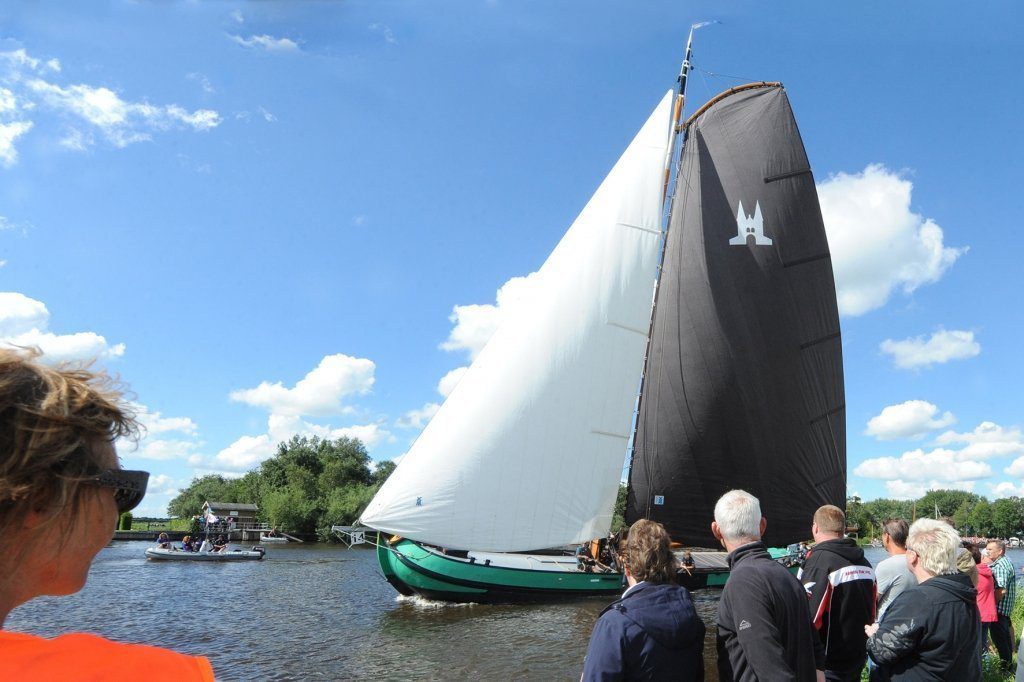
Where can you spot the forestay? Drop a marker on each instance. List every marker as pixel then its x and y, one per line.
pixel 527 451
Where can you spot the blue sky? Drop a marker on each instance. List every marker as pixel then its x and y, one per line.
pixel 278 218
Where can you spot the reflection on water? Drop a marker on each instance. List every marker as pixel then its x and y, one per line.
pixel 310 612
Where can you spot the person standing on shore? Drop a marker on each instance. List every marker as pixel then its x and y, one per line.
pixel 931 631
pixel 840 584
pixel 653 631
pixel 892 574
pixel 61 493
pixel 764 630
pixel 986 597
pixel 1005 578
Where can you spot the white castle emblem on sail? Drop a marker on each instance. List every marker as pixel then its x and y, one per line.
pixel 749 225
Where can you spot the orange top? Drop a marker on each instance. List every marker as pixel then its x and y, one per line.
pixel 89 657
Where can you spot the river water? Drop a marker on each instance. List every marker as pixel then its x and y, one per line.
pixel 324 612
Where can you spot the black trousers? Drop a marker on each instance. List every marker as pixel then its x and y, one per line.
pixel 1000 631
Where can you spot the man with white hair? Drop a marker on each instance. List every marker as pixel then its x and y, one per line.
pixel 932 630
pixel 764 629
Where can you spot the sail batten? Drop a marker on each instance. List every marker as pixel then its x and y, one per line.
pixel 526 452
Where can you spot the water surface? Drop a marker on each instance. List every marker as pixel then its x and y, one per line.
pixel 309 612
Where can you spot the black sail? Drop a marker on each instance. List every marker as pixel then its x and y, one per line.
pixel 743 386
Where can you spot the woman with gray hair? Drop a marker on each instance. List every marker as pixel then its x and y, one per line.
pixel 931 630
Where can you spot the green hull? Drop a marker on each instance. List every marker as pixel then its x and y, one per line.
pixel 412 569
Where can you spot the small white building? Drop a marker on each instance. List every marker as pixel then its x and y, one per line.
pixel 244 514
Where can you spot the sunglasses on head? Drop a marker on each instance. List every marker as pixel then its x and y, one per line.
pixel 129 486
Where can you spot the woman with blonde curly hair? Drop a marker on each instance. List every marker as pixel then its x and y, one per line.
pixel 61 492
pixel 653 631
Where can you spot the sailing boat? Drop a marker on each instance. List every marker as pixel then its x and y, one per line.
pixel 735 349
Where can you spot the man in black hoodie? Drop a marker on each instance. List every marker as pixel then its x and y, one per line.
pixel 932 630
pixel 653 632
pixel 840 584
pixel 764 632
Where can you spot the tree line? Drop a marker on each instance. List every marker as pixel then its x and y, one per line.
pixel 972 514
pixel 308 485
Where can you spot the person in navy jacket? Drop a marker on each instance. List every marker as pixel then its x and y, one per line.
pixel 653 631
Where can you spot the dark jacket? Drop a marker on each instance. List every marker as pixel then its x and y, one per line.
pixel 652 633
pixel 841 585
pixel 764 631
pixel 932 631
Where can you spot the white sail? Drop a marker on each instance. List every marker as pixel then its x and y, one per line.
pixel 528 449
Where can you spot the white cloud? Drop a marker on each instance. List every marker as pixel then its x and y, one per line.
pixel 237 16
pixel 475 324
pixel 940 347
pixel 8 102
pixel 163 450
pixel 906 490
pixel 265 42
pixel 359 220
pixel 917 465
pixel 1016 468
pixel 878 244
pixel 988 440
pixel 155 423
pixel 320 393
pixel 1006 489
pixel 203 81
pixel 267 116
pixel 417 419
pixel 121 121
pixel 912 419
pixel 246 452
pixel 384 30
pixel 9 133
pixel 24 322
pixel 450 380
pixel 76 140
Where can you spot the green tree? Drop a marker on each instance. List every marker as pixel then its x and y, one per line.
pixel 885 508
pixel 619 511
pixel 383 471
pixel 1006 519
pixel 980 519
pixel 961 518
pixel 213 488
pixel 946 501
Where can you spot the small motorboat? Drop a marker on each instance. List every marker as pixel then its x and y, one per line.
pixel 272 539
pixel 161 554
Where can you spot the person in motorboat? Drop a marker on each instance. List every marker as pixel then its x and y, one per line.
pixel 220 544
pixel 163 541
pixel 61 491
pixel 186 544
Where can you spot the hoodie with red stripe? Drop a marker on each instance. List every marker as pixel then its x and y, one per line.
pixel 841 588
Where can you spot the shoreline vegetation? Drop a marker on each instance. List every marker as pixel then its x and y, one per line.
pixel 307 486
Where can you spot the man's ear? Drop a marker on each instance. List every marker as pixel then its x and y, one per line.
pixel 716 531
pixel 814 528
pixel 764 524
